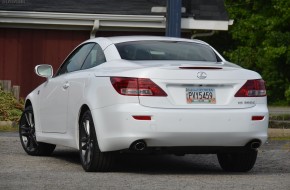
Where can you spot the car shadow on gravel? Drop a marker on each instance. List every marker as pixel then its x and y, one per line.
pixel 152 164
pixel 267 162
pixel 167 164
pixel 67 154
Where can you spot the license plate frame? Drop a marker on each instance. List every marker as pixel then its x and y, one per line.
pixel 200 95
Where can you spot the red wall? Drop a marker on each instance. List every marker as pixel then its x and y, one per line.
pixel 22 49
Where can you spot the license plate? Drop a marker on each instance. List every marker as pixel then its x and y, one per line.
pixel 200 95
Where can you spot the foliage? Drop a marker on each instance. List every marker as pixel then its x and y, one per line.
pixel 259 40
pixel 287 95
pixel 261 36
pixel 10 108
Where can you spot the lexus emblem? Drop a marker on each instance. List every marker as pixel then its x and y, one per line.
pixel 201 75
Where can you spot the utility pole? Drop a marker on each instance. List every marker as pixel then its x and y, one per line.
pixel 173 18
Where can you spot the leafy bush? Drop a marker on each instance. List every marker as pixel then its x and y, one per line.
pixel 287 95
pixel 10 108
pixel 259 40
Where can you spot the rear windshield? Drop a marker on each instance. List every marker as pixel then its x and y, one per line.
pixel 166 50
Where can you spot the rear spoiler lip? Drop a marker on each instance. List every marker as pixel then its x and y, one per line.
pixel 198 68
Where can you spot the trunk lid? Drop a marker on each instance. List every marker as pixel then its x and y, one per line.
pixel 211 85
pixel 192 84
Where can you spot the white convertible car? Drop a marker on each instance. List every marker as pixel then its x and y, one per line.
pixel 142 94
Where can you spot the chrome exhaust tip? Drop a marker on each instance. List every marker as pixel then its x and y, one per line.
pixel 254 144
pixel 139 145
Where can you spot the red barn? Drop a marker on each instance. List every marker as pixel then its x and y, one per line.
pixel 44 32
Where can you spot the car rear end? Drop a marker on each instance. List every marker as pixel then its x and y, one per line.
pixel 181 106
pixel 187 113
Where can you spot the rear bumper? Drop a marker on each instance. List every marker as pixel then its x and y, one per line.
pixel 116 128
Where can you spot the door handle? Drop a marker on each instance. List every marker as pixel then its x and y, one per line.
pixel 66 85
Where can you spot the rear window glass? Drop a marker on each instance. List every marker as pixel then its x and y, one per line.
pixel 166 50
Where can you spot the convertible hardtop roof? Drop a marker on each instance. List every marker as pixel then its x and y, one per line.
pixel 121 39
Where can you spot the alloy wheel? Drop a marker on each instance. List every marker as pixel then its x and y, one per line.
pixel 87 142
pixel 27 131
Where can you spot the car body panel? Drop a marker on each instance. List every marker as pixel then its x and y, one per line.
pixel 178 127
pixel 53 93
pixel 58 103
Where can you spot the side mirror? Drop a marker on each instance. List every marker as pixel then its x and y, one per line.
pixel 44 71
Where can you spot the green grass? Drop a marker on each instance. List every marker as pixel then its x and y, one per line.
pixel 8 129
pixel 282 117
pixel 15 129
pixel 279 138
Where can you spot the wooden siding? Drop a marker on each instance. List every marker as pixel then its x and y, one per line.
pixel 22 49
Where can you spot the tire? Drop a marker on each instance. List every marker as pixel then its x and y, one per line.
pixel 28 137
pixel 92 159
pixel 239 161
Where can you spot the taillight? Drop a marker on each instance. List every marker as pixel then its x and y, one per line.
pixel 257 117
pixel 252 88
pixel 142 117
pixel 136 87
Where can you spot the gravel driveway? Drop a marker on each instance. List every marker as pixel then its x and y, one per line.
pixel 63 170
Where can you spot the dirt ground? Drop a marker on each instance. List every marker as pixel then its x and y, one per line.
pixel 63 171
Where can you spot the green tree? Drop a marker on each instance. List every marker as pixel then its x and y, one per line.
pixel 260 41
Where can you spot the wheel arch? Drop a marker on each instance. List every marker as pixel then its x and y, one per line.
pixel 83 109
pixel 27 103
pixel 32 100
